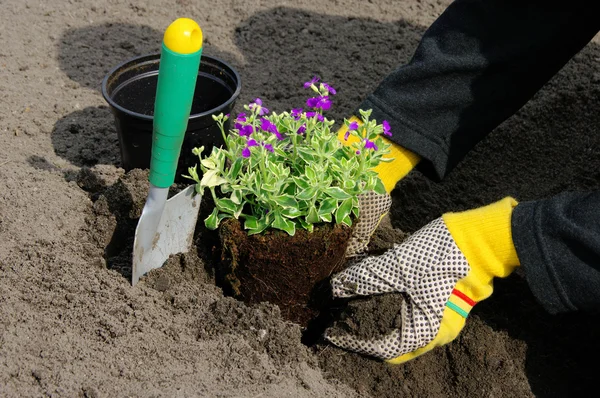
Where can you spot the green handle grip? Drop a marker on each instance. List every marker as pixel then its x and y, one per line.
pixel 177 74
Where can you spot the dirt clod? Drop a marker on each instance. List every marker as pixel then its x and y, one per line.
pixel 289 271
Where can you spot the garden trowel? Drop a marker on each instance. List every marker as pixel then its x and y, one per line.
pixel 167 226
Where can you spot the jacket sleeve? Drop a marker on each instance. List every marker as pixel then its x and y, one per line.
pixel 558 244
pixel 476 65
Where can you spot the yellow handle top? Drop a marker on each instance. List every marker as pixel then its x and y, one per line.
pixel 183 36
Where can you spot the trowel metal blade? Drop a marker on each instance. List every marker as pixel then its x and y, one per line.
pixel 173 235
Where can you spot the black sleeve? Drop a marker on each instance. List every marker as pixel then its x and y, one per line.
pixel 558 244
pixel 477 64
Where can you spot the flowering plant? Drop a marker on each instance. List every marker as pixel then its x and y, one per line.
pixel 289 170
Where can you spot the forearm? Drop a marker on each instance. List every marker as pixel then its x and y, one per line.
pixel 475 66
pixel 558 243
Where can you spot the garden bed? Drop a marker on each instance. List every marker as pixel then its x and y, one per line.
pixel 72 325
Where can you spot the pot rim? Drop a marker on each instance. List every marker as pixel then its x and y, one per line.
pixel 151 56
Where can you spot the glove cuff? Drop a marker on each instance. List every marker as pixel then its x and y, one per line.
pixel 389 172
pixel 484 237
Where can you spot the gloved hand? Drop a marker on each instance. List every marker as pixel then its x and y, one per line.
pixel 442 270
pixel 374 207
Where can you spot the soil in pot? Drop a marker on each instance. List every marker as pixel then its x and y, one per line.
pixel 290 271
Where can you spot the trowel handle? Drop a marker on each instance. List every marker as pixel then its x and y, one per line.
pixel 177 74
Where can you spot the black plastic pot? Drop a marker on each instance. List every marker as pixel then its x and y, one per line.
pixel 130 90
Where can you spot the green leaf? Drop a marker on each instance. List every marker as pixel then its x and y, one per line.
pixel 312 216
pixel 328 206
pixel 212 221
pixel 235 168
pixel 251 222
pixel 356 211
pixel 337 193
pixel 310 173
pixel 261 225
pixel 370 183
pixel 286 201
pixel 306 154
pixel 291 212
pixel 347 220
pixel 306 225
pixel 239 209
pixel 269 187
pixel 343 211
pixel 365 114
pixel 254 231
pixel 349 184
pixel 326 217
pixel 226 205
pixel 307 194
pixel 212 179
pixel 236 196
pixel 198 151
pixel 336 167
pixel 274 169
pixel 208 163
pixel 193 174
pixel 280 152
pixel 284 224
pixel 301 183
pixel 379 187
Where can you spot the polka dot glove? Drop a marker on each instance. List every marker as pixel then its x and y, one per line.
pixel 442 270
pixel 425 268
pixel 372 207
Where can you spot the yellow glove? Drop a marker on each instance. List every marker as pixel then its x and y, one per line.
pixel 442 270
pixel 374 207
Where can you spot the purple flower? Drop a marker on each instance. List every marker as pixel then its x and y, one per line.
pixel 246 152
pixel 268 147
pixel 321 102
pixel 267 125
pixel 358 151
pixel 370 145
pixel 387 130
pixel 244 131
pixel 241 117
pixel 252 142
pixel 330 89
pixel 325 104
pixel 258 105
pixel 301 129
pixel 313 114
pixel 296 113
pixel 312 102
pixel 227 116
pixel 247 130
pixel 311 82
pixel 351 127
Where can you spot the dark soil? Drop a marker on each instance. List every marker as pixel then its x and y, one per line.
pixel 290 271
pixel 370 318
pixel 115 213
